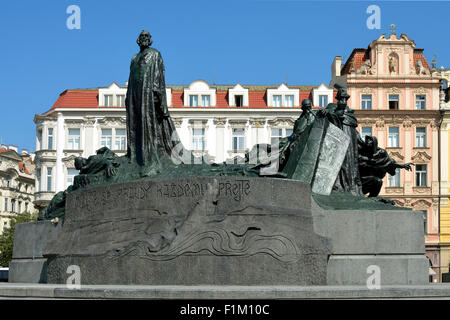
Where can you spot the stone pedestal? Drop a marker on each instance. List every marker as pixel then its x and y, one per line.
pixel 227 231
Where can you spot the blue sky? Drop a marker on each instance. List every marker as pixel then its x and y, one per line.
pixel 226 42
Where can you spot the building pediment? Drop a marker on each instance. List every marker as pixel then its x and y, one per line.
pixel 421 157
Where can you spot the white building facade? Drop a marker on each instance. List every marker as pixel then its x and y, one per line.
pixel 221 121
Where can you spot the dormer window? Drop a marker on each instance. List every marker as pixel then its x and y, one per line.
pixel 322 95
pixel 199 94
pixel 238 100
pixel 108 100
pixel 276 101
pixel 193 101
pixel 112 96
pixel 121 100
pixel 283 97
pixel 206 100
pixel 238 96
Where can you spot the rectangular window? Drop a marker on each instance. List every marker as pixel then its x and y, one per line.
pixel 393 137
pixel 39 139
pixel 366 131
pixel 13 205
pixel 288 132
pixel 106 138
pixel 20 207
pixel 38 178
pixel 238 100
pixel 366 102
pixel 6 204
pixel 108 100
pixel 421 137
pixel 206 100
pixel 71 173
pixel 238 139
pixel 289 100
pixel 50 139
pixel 276 101
pixel 394 181
pixel 421 175
pixel 49 179
pixel 120 100
pixel 120 142
pixel 275 136
pixel 393 101
pixel 74 139
pixel 323 100
pixel 420 102
pixel 193 101
pixel 198 139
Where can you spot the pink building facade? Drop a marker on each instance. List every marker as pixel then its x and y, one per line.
pixel 395 95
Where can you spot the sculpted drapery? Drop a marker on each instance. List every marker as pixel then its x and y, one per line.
pixel 151 134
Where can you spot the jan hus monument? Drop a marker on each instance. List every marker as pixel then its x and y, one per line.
pixel 303 212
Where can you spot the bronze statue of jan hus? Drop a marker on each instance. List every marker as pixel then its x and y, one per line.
pixel 151 134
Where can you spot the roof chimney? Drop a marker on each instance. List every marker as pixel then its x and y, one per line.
pixel 336 67
pixel 4 147
pixel 24 151
pixel 13 147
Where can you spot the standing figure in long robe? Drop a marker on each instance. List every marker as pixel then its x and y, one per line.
pixel 151 134
pixel 348 179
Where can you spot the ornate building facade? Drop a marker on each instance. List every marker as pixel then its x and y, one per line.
pixel 395 95
pixel 445 178
pixel 16 184
pixel 219 121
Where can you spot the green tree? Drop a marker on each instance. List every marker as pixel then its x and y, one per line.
pixel 7 237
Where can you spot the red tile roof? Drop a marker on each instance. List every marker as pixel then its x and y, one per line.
pixel 88 98
pixel 77 98
pixel 418 55
pixel 358 55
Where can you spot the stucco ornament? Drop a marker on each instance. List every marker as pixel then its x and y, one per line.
pixel 420 69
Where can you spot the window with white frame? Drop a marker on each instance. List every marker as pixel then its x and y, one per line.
pixel 71 173
pixel 421 175
pixel 238 139
pixel 6 204
pixel 20 207
pixel 73 141
pixel 420 102
pixel 393 137
pixel 366 131
pixel 323 100
pixel 114 138
pixel 109 100
pixel 289 100
pixel 120 139
pixel 13 205
pixel 49 179
pixel 421 137
pixel 394 181
pixel 366 101
pixel 206 100
pixel 50 139
pixel 106 139
pixel 120 100
pixel 276 100
pixel 275 136
pixel 238 96
pixel 198 139
pixel 193 101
